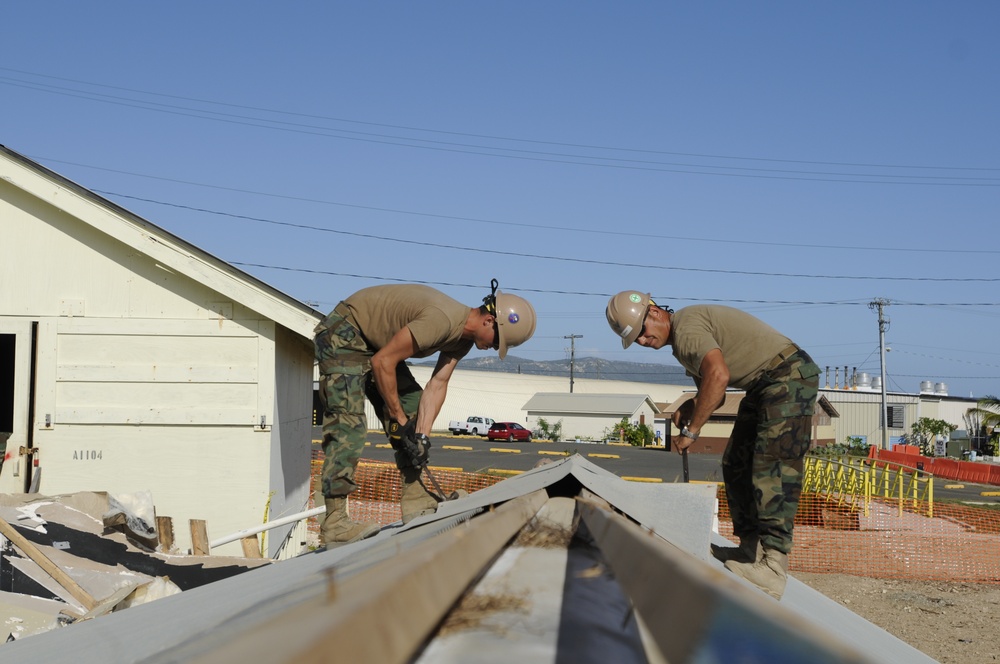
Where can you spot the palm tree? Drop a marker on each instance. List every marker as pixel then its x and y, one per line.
pixel 987 411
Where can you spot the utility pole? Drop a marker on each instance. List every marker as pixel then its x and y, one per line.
pixel 572 354
pixel 883 325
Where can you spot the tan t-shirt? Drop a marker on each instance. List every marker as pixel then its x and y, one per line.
pixel 747 343
pixel 435 320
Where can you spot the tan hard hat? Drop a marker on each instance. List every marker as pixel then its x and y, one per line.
pixel 515 321
pixel 625 313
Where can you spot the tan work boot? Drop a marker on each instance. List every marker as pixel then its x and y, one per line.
pixel 749 550
pixel 338 529
pixel 769 573
pixel 416 501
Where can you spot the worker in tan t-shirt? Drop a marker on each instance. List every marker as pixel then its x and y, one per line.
pixel 722 347
pixel 362 347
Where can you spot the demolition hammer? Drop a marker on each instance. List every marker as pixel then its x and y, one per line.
pixel 684 460
pixel 416 447
pixel 424 468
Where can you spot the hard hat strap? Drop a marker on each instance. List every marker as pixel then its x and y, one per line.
pixel 654 304
pixel 490 301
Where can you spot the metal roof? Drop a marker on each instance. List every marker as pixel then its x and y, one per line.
pixel 636 579
pixel 731 405
pixel 589 404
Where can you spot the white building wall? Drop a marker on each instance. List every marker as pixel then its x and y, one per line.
pixel 575 425
pixel 860 414
pixel 594 426
pixel 291 440
pixel 63 267
pixel 502 396
pixel 950 410
pixel 148 379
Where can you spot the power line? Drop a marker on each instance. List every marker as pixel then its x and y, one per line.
pixel 946 359
pixel 617 233
pixel 606 295
pixel 532 155
pixel 898 375
pixel 568 229
pixel 566 259
pixel 502 138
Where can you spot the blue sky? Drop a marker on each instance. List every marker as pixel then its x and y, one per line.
pixel 796 160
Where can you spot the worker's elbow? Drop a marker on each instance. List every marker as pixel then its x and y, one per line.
pixel 379 362
pixel 719 376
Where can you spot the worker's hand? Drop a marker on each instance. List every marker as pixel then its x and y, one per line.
pixel 418 447
pixel 681 443
pixel 400 432
pixel 682 415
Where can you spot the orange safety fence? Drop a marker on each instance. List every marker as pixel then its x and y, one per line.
pixel 377 498
pixel 958 543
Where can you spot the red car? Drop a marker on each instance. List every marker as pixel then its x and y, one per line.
pixel 509 431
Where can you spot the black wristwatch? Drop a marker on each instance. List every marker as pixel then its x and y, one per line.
pixel 689 434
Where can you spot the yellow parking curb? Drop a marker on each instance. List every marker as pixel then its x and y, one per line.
pixel 384 446
pixel 604 456
pixel 555 453
pixel 499 471
pixel 641 479
pixel 505 449
pixel 446 468
pixel 954 486
pixel 455 447
pixel 990 493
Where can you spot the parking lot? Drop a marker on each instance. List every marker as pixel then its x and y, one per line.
pixel 475 454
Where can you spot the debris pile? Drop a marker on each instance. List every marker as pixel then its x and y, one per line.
pixel 75 557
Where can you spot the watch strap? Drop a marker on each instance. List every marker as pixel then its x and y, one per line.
pixel 689 434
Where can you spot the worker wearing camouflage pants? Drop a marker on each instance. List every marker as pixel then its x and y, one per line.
pixel 361 349
pixel 345 382
pixel 762 464
pixel 720 348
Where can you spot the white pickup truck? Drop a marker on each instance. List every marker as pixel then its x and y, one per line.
pixel 475 425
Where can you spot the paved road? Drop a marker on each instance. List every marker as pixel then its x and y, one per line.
pixel 476 454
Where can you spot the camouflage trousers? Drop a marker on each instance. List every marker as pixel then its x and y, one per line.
pixel 345 368
pixel 762 464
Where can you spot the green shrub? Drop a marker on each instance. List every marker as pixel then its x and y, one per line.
pixel 852 446
pixel 636 435
pixel 548 431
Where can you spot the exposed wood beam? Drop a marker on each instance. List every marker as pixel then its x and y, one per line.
pixel 384 613
pixel 53 570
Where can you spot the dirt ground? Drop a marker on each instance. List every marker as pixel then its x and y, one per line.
pixel 956 623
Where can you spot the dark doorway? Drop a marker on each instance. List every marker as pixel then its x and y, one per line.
pixel 7 343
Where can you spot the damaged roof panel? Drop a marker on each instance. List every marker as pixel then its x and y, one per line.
pixel 473 577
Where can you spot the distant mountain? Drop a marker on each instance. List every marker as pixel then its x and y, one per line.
pixel 583 367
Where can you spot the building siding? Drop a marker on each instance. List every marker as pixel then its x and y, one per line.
pixel 158 367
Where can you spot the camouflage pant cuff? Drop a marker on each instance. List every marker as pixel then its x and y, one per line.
pixel 776 543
